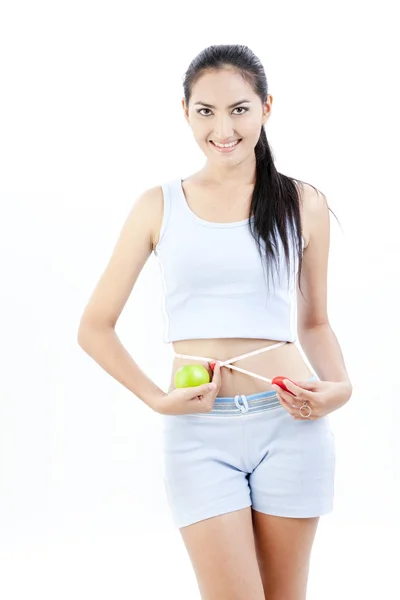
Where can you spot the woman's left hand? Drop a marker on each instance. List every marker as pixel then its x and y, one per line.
pixel 323 397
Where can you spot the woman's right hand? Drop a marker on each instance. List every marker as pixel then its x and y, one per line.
pixel 189 400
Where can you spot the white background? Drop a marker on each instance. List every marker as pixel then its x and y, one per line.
pixel 90 110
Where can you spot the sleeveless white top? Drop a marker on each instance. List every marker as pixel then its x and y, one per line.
pixel 214 281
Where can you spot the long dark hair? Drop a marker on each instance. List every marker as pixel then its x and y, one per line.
pixel 275 200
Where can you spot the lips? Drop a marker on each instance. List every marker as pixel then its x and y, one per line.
pixel 223 143
pixel 226 149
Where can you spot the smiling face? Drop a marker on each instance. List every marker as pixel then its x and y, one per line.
pixel 232 112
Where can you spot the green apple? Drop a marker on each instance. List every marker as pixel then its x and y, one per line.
pixel 191 376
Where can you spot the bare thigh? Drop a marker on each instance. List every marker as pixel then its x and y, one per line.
pixel 283 547
pixel 223 555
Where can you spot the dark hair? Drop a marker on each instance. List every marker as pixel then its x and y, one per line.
pixel 275 200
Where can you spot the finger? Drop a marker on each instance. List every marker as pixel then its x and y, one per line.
pixel 299 392
pixel 216 377
pixel 300 418
pixel 200 390
pixel 308 385
pixel 295 412
pixel 216 368
pixel 279 391
pixel 289 398
pixel 288 407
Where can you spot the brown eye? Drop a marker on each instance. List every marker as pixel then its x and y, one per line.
pixel 237 108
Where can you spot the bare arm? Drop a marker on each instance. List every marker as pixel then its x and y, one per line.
pixel 322 348
pixel 96 334
pixel 104 346
pixel 316 335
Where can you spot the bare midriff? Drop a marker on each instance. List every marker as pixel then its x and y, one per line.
pixel 285 360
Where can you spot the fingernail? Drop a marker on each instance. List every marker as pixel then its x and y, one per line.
pixel 212 386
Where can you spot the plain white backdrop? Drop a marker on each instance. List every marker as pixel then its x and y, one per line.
pixel 90 115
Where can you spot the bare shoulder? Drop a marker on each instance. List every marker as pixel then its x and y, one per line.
pixel 130 253
pixel 150 206
pixel 312 307
pixel 156 206
pixel 147 213
pixel 313 205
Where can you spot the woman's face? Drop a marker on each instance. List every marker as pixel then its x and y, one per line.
pixel 224 122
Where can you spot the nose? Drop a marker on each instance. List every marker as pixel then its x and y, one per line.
pixel 223 129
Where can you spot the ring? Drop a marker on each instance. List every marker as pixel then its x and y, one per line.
pixel 305 405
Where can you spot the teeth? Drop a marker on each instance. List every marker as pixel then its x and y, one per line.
pixel 227 145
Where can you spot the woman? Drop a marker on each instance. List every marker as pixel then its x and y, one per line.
pixel 243 253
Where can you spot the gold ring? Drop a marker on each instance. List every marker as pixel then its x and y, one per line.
pixel 305 405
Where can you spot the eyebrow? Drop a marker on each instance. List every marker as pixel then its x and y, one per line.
pixel 230 106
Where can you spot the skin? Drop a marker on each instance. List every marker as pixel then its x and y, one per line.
pixel 241 554
pixel 268 555
pixel 221 89
pixel 221 191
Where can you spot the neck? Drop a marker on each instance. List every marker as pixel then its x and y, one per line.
pixel 238 175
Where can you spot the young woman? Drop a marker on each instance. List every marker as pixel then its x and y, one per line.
pixel 243 252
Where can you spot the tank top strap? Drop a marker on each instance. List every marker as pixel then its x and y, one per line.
pixel 174 211
pixel 178 198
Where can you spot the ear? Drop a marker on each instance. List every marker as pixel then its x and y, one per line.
pixel 267 109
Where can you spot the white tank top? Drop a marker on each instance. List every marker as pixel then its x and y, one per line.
pixel 213 278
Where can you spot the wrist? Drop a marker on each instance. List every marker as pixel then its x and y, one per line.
pixel 156 401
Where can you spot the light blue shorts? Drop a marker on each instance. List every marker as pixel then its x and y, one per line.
pixel 247 451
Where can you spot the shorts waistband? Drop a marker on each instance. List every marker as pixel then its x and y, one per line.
pixel 229 406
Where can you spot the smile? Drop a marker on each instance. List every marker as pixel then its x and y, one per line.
pixel 226 148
